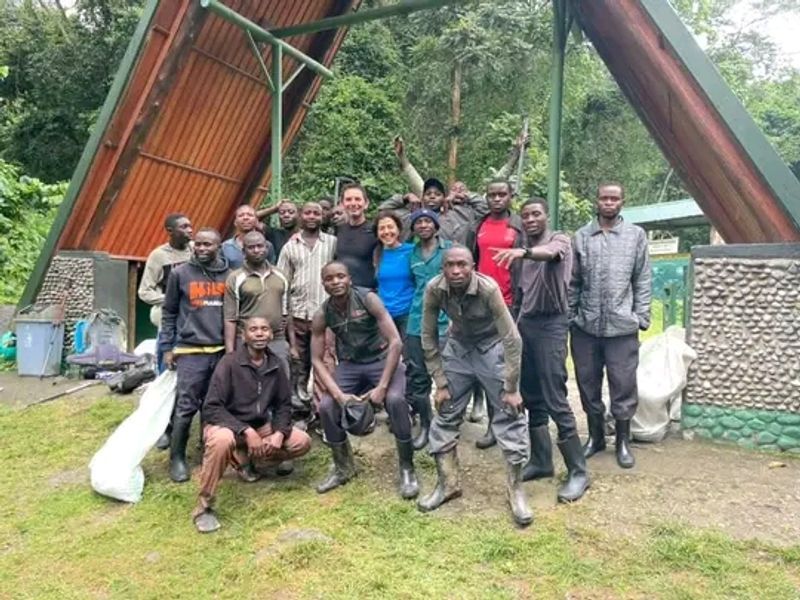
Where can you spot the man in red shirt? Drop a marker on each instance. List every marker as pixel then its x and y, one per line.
pixel 497 231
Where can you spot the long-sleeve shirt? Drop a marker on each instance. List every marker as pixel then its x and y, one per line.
pixel 156 271
pixel 302 264
pixel 242 395
pixel 609 294
pixel 479 319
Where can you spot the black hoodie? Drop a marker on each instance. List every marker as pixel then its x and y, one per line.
pixel 192 309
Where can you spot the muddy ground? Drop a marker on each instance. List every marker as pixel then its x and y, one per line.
pixel 745 494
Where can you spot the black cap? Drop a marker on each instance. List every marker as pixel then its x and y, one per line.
pixel 432 182
pixel 358 417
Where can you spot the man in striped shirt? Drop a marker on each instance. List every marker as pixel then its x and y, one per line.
pixel 301 260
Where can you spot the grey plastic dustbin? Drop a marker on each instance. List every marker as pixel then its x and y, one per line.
pixel 40 343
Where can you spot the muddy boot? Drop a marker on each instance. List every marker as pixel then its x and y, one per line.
pixel 178 469
pixel 448 485
pixel 523 516
pixel 409 487
pixel 541 463
pixel 577 479
pixel 343 468
pixel 247 473
pixel 487 440
pixel 623 450
pixel 597 439
pixel 424 411
pixel 206 521
pixel 478 411
pixel 285 467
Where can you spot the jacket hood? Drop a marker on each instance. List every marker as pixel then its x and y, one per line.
pixel 220 264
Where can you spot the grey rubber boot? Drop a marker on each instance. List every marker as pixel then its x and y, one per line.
pixel 597 435
pixel 623 449
pixel 343 468
pixel 523 516
pixel 487 440
pixel 409 486
pixel 540 464
pixel 448 485
pixel 577 479
pixel 424 412
pixel 478 411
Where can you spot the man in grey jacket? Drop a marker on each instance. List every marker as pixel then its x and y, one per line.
pixel 609 303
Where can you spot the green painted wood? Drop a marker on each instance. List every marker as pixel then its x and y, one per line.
pixel 773 169
pixel 560 31
pixel 276 123
pixel 79 176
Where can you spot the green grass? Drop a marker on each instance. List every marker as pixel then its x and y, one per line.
pixel 60 540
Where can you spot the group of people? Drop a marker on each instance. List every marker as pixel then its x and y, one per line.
pixel 446 295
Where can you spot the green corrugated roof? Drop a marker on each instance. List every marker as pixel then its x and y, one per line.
pixel 680 213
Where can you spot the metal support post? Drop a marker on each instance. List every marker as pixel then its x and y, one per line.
pixel 262 35
pixel 276 123
pixel 403 7
pixel 561 25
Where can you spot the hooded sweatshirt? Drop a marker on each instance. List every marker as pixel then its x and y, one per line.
pixel 192 309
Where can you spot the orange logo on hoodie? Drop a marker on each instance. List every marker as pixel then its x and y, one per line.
pixel 206 293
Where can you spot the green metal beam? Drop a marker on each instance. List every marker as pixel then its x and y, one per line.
pixel 260 58
pixel 561 22
pixel 263 35
pixel 276 123
pixel 90 150
pixel 361 16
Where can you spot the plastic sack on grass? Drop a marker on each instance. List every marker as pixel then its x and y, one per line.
pixel 663 366
pixel 116 468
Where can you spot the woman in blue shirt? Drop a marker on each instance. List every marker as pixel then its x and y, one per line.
pixel 393 269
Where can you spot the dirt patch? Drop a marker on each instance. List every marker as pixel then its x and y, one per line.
pixel 19 392
pixel 697 483
pixel 70 477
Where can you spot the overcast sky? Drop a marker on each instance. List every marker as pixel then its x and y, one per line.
pixel 783 29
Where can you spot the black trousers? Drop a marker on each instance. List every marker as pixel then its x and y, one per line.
pixel 543 383
pixel 194 375
pixel 619 356
pixel 418 382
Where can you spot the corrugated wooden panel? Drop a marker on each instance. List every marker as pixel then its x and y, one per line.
pixel 192 131
pixel 685 123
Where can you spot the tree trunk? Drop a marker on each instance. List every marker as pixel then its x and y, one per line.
pixel 455 123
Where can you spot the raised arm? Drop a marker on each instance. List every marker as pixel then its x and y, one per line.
pixel 415 181
pixel 390 334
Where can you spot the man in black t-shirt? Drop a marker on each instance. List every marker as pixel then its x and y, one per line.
pixel 356 242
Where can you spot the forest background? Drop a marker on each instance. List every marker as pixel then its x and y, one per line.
pixel 398 76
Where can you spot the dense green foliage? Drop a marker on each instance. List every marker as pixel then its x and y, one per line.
pixel 27 208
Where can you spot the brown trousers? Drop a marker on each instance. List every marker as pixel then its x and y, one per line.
pixel 223 449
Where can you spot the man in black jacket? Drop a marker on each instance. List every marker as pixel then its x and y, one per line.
pixel 191 336
pixel 246 416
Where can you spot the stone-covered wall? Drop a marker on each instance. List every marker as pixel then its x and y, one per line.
pixel 744 386
pixel 70 278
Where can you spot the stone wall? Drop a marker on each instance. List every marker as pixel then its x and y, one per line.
pixel 744 386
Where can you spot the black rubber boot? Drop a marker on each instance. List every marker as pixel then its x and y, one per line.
pixel 247 473
pixel 487 440
pixel 541 463
pixel 424 412
pixel 178 469
pixel 522 513
pixel 409 486
pixel 624 456
pixel 577 479
pixel 478 411
pixel 343 468
pixel 163 441
pixel 597 438
pixel 448 485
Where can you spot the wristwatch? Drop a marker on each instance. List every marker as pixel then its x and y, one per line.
pixel 527 252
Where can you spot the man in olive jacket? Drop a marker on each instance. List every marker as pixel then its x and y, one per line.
pixel 609 303
pixel 246 417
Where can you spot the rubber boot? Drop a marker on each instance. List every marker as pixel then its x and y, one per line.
pixel 178 469
pixel 577 479
pixel 523 516
pixel 478 411
pixel 541 463
pixel 487 440
pixel 343 468
pixel 448 485
pixel 623 449
pixel 424 411
pixel 597 439
pixel 409 486
pixel 164 441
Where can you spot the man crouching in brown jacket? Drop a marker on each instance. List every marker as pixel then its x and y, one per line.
pixel 246 417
